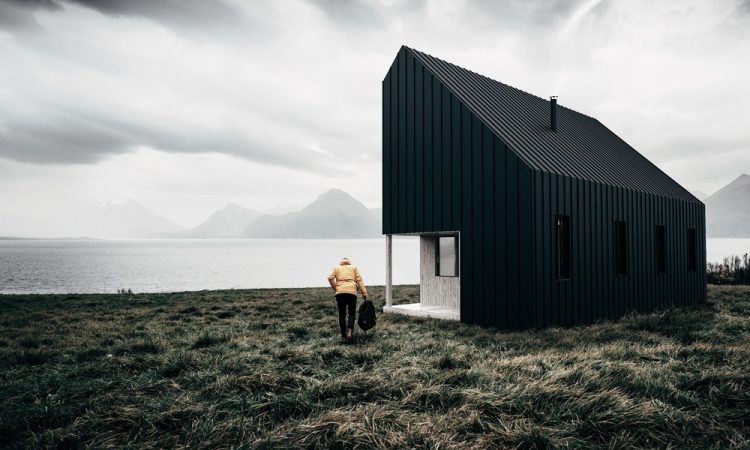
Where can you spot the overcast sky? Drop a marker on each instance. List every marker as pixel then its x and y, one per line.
pixel 186 105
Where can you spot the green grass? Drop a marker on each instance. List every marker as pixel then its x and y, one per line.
pixel 265 369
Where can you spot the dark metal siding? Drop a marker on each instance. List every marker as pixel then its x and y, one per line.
pixel 445 169
pixel 594 291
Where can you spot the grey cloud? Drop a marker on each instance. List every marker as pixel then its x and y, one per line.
pixel 410 7
pixel 60 140
pixel 194 17
pixel 272 152
pixel 18 14
pixel 532 16
pixel 527 12
pixel 154 9
pixel 54 118
pixel 178 12
pixel 743 7
pixel 351 13
pixel 72 139
pixel 276 96
pixel 34 4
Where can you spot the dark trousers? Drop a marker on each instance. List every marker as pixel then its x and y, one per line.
pixel 346 302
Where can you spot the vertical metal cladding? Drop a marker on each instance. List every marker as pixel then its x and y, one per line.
pixel 445 169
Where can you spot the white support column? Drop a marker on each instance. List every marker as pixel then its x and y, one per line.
pixel 388 270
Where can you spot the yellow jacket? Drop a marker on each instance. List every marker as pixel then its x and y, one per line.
pixel 346 279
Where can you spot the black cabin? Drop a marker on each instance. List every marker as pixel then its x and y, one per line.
pixel 529 214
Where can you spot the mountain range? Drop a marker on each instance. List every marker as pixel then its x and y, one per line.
pixel 334 214
pixel 728 210
pixel 229 222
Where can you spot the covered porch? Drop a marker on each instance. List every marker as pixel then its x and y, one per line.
pixel 439 280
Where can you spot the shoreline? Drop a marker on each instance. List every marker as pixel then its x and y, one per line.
pixel 199 291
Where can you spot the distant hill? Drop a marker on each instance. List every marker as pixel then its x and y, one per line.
pixel 728 210
pixel 229 222
pixel 378 217
pixel 121 219
pixel 335 214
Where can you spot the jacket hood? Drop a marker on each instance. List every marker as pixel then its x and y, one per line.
pixel 345 262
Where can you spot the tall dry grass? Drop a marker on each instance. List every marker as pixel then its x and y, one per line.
pixel 265 369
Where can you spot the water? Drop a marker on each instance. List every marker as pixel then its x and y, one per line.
pixel 80 266
pixel 67 266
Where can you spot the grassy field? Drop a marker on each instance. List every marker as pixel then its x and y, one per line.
pixel 265 369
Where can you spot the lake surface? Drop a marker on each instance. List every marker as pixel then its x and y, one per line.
pixel 67 266
pixel 81 266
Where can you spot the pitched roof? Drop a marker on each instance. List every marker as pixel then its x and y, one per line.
pixel 581 147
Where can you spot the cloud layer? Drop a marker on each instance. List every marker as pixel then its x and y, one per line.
pixel 294 86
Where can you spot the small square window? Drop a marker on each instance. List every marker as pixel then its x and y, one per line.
pixel 447 256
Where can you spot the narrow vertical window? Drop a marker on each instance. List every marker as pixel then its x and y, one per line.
pixel 621 246
pixel 661 249
pixel 447 256
pixel 563 247
pixel 692 252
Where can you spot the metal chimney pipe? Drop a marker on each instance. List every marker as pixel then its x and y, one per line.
pixel 553 112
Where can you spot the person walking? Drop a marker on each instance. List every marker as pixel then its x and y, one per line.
pixel 345 280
